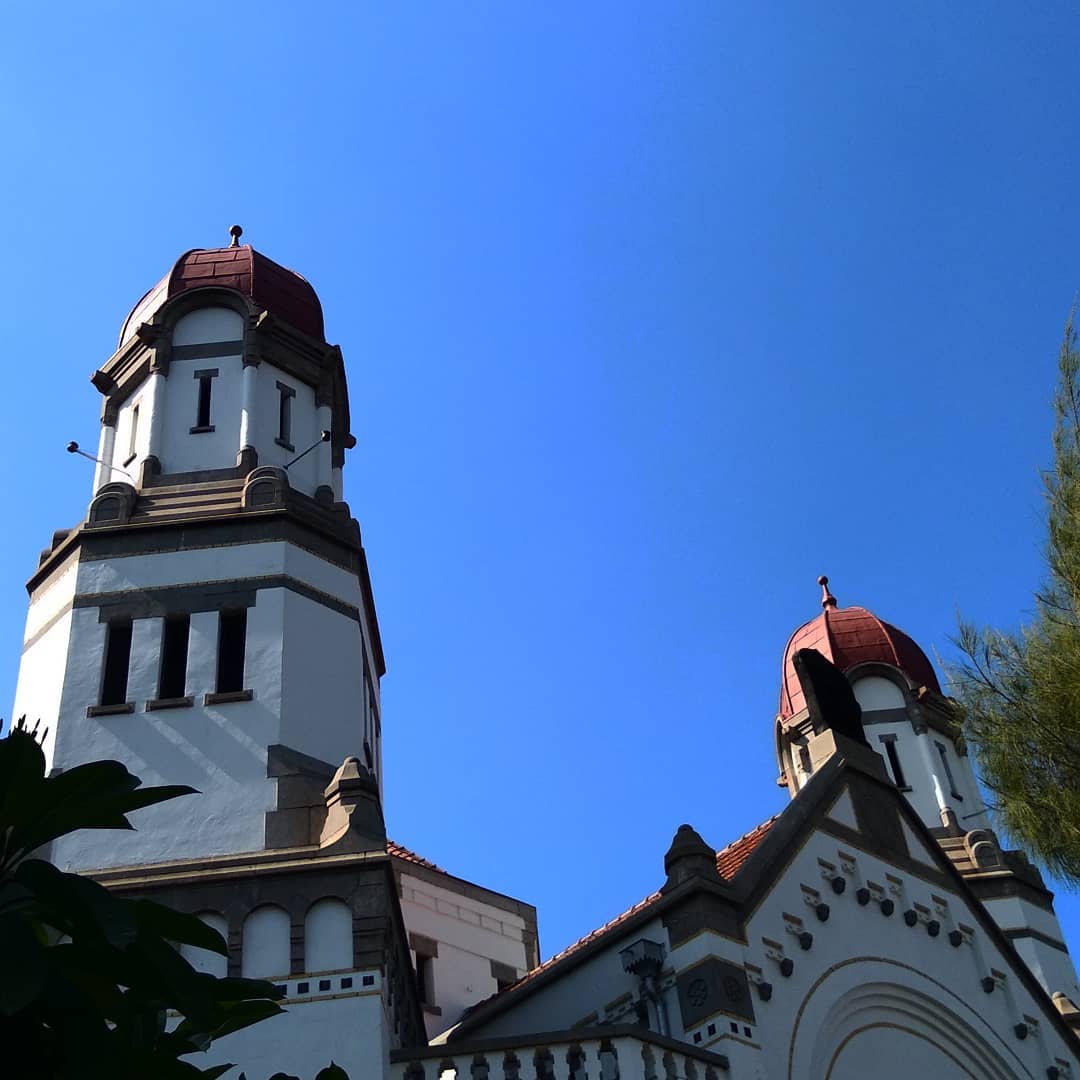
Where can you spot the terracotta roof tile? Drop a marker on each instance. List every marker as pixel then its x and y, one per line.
pixel 729 861
pixel 401 852
pixel 850 636
pixel 278 290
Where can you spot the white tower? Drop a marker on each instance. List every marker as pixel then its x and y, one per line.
pixel 211 623
pixel 913 726
pixel 212 618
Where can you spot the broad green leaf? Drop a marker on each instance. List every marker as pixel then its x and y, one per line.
pixel 25 965
pixel 76 904
pixel 178 927
pixel 332 1072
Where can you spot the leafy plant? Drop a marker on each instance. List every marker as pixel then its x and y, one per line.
pixel 88 979
pixel 1019 691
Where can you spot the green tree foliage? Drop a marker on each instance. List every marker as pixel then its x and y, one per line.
pixel 88 979
pixel 1019 692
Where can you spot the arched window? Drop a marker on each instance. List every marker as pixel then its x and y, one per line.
pixel 265 951
pixel 203 959
pixel 875 692
pixel 328 937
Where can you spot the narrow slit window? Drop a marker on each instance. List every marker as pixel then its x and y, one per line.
pixel 205 380
pixel 948 771
pixel 284 437
pixel 117 660
pixel 424 978
pixel 232 639
pixel 174 652
pixel 889 743
pixel 133 433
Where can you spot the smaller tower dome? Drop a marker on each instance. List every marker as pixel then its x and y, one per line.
pixel 272 287
pixel 846 637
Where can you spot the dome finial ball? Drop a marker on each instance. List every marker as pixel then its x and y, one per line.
pixel 827 598
pixel 235 232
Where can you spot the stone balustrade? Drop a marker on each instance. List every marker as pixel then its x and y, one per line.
pixel 607 1053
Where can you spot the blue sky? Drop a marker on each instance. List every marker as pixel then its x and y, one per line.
pixel 652 313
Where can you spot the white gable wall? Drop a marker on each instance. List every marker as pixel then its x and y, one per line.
pixel 470 934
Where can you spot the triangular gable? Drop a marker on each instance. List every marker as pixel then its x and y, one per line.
pixel 843 810
pixel 928 853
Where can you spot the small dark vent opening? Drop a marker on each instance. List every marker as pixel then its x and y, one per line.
pixel 174 651
pixel 117 660
pixel 232 634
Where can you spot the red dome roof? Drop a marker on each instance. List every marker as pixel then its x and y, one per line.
pixel 850 636
pixel 272 287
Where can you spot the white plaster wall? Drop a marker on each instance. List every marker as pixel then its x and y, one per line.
pixel 264 949
pixel 123 470
pixel 350 1030
pixel 39 690
pixel 328 937
pixel 855 949
pixel 470 934
pixel 208 325
pixel 875 692
pixel 587 988
pixel 230 563
pixel 856 937
pixel 219 750
pixel 921 762
pixel 305 427
pixel 1053 967
pixel 181 451
pixel 322 681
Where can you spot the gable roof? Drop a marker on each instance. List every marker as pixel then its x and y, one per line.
pixel 729 861
pixel 751 865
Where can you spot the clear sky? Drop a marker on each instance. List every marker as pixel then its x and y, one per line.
pixel 651 312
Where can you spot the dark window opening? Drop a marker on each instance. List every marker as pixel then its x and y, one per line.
pixel 424 981
pixel 894 761
pixel 205 384
pixel 174 651
pixel 948 772
pixel 117 660
pixel 232 635
pixel 284 436
pixel 133 434
pixel 202 411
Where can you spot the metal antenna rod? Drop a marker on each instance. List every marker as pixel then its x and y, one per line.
pixel 73 448
pixel 324 436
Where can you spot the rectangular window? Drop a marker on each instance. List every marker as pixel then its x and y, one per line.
pixel 117 660
pixel 284 436
pixel 174 651
pixel 889 742
pixel 948 771
pixel 425 978
pixel 232 639
pixel 205 379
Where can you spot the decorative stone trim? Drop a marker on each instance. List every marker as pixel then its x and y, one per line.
pixel 111 710
pixel 265 488
pixel 170 703
pixel 228 696
pixel 113 504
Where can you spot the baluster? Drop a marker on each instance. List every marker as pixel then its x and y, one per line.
pixel 607 1062
pixel 560 1063
pixel 628 1061
pixel 479 1069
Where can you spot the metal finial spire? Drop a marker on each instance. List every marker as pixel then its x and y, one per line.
pixel 235 232
pixel 827 598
